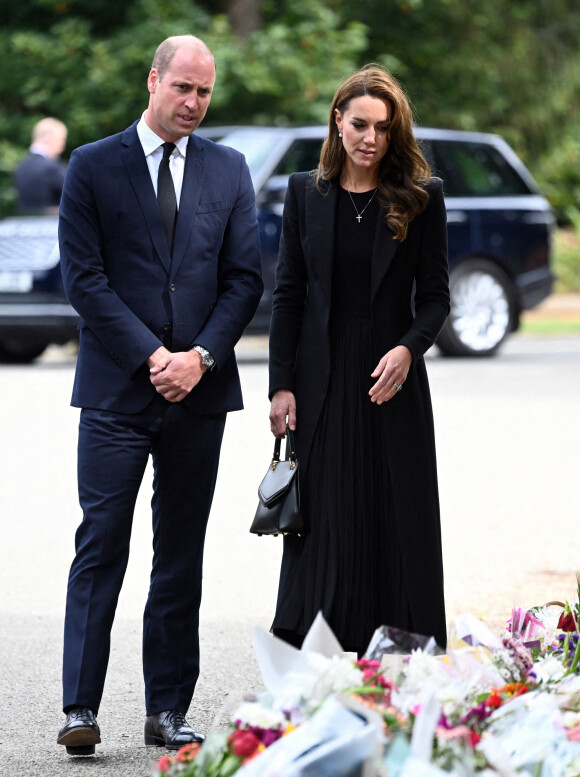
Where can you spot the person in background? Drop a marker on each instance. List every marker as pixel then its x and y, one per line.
pixel 39 177
pixel 361 293
pixel 160 256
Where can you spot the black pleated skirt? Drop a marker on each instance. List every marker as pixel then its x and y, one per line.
pixel 349 566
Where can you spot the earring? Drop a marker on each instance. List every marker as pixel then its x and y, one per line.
pixel 339 134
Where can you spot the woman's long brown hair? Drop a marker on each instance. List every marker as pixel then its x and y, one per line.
pixel 404 171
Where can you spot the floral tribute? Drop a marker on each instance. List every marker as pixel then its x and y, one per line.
pixel 495 706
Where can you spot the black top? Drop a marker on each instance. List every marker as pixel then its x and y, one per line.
pixel 353 253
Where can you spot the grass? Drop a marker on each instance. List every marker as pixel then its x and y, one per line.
pixel 566 260
pixel 549 326
pixel 561 319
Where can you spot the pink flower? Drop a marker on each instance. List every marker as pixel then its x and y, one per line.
pixel 459 732
pixel 525 625
pixel 573 734
pixel 366 663
pixel 164 763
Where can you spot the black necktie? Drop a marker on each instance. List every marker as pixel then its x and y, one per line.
pixel 166 194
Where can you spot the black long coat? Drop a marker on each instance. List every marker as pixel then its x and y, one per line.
pixel 409 304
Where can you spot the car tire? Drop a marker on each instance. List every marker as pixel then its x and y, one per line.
pixel 483 310
pixel 14 351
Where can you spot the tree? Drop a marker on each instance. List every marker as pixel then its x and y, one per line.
pixel 507 66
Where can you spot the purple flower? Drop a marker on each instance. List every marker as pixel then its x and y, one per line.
pixel 519 653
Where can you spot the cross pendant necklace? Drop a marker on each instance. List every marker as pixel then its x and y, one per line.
pixel 360 215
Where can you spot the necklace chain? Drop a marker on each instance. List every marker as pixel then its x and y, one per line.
pixel 360 215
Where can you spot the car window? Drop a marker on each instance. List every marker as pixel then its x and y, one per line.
pixel 475 170
pixel 302 155
pixel 257 147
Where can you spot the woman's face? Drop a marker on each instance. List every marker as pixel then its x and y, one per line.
pixel 365 131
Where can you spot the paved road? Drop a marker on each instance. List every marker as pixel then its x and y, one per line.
pixel 508 432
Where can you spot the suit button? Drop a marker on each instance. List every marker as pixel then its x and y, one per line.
pixel 172 287
pixel 166 327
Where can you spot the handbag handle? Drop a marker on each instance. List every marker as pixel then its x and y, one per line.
pixel 290 454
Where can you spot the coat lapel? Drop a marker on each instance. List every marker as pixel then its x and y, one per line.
pixel 136 165
pixel 320 222
pixel 384 249
pixel 193 179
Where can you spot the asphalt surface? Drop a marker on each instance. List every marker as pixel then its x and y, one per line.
pixel 507 434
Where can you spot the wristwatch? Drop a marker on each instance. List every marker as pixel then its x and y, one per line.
pixel 206 357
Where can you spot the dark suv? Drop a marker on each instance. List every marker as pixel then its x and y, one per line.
pixel 34 311
pixel 499 225
pixel 499 240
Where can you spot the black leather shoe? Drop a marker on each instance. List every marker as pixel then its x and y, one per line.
pixel 170 729
pixel 80 732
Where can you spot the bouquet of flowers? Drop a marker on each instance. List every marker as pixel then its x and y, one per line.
pixel 494 706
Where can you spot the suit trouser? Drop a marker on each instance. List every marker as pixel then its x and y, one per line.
pixel 113 451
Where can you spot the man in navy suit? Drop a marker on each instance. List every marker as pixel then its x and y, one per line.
pixel 40 175
pixel 160 257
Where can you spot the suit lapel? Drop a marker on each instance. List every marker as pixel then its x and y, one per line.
pixel 136 165
pixel 193 179
pixel 384 249
pixel 320 221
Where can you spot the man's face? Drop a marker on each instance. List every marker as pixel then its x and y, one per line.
pixel 179 100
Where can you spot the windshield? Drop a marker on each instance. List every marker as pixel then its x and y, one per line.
pixel 255 144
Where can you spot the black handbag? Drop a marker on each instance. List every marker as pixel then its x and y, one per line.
pixel 279 494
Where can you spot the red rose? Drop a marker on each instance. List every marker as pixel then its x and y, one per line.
pixel 474 737
pixel 243 743
pixel 566 622
pixel 493 700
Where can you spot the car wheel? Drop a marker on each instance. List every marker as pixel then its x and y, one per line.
pixel 13 351
pixel 483 310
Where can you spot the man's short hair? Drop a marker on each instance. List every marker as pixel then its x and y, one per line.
pixel 166 51
pixel 47 127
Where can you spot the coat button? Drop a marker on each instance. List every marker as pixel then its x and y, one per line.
pixel 172 287
pixel 166 327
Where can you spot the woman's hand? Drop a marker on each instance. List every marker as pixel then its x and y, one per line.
pixel 282 413
pixel 391 372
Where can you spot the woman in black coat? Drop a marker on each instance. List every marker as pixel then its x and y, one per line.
pixel 361 294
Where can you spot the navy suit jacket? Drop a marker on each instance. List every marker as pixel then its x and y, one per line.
pixel 131 295
pixel 39 181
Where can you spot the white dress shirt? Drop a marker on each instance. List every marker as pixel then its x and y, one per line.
pixel 153 148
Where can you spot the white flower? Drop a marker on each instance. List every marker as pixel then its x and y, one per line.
pixel 549 669
pixel 317 678
pixel 571 718
pixel 334 675
pixel 549 616
pixel 255 714
pixel 451 697
pixel 424 670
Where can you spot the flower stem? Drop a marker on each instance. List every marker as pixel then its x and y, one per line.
pixel 576 659
pixel 566 646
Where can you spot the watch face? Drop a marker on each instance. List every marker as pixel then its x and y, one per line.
pixel 206 358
